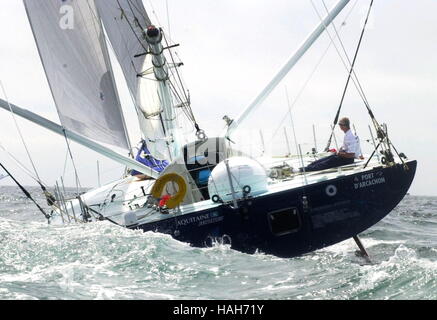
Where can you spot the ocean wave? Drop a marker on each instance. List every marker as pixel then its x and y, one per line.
pixel 103 261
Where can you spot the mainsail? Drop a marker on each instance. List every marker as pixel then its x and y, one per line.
pixel 72 46
pixel 126 23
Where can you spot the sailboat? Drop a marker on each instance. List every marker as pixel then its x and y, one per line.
pixel 198 189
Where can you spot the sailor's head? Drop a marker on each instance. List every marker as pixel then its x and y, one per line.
pixel 344 124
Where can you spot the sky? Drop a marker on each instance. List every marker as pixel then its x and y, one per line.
pixel 231 49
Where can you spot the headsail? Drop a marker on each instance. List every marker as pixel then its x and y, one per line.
pixel 124 29
pixel 72 47
pixel 126 23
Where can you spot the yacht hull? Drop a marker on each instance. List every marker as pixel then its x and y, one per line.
pixel 293 222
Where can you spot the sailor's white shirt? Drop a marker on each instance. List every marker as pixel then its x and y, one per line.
pixel 351 144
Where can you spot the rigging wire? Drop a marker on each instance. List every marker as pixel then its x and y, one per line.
pixel 185 105
pixel 311 75
pixel 292 122
pixel 168 18
pixel 347 56
pixel 350 75
pixel 137 22
pixel 19 132
pixel 131 27
pixel 381 133
pixel 121 39
pixel 154 13
pixel 304 86
pixel 146 50
pixel 47 216
pixel 184 108
pixel 21 165
pixel 179 86
pixel 180 82
pixel 65 164
pixel 145 17
pixel 78 185
pixel 347 66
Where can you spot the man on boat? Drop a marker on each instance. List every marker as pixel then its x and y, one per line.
pixel 349 151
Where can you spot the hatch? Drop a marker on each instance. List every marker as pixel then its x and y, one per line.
pixel 284 221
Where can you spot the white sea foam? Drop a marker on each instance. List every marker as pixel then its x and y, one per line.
pixel 103 261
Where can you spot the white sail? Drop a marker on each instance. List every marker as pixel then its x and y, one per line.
pixel 126 35
pixel 72 47
pixel 126 23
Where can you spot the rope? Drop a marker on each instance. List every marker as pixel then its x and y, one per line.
pixel 350 75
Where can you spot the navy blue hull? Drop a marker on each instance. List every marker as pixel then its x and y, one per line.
pixel 296 221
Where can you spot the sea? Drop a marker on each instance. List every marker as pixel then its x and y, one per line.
pixel 102 261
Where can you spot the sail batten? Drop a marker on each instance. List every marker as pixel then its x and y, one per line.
pixel 72 47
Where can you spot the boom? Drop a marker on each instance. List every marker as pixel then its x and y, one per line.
pixel 50 125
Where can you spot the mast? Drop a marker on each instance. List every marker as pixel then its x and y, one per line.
pixel 160 70
pixel 139 48
pixel 286 67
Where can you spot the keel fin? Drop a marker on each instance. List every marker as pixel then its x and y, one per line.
pixel 363 251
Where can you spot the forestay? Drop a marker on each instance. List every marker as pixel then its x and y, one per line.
pixel 72 47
